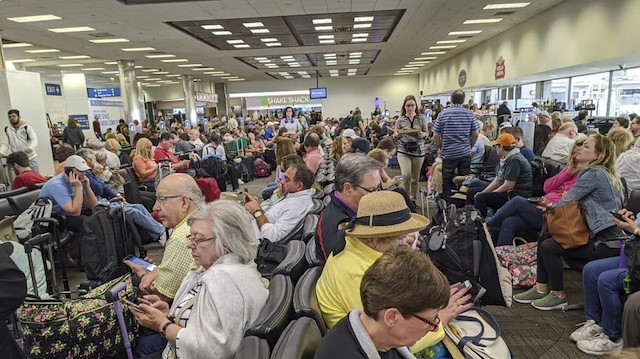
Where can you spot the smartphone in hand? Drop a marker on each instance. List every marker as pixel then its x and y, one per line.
pixel 534 199
pixel 617 215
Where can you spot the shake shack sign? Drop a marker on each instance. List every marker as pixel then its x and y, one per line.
pixel 462 78
pixel 284 100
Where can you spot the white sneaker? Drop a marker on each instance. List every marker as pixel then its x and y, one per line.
pixel 600 345
pixel 587 330
pixel 240 181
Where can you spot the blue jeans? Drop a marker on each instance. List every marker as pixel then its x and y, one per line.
pixel 268 191
pixel 140 216
pixel 516 215
pixel 151 185
pixel 602 282
pixel 149 344
pixel 475 185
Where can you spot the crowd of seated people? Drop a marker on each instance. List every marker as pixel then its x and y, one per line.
pixel 206 291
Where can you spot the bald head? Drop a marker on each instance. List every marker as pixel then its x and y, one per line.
pixel 177 196
pixel 568 129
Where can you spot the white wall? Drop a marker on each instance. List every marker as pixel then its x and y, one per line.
pixel 22 90
pixel 572 33
pixel 344 93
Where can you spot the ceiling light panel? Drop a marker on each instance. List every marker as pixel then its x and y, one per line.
pixel 253 24
pixel 433 53
pixel 242 46
pixel 76 57
pixel 468 32
pixel 514 5
pixel 204 69
pixel 260 31
pixel 482 21
pixel 71 65
pixel 174 60
pixel 160 56
pixel 108 41
pixel 213 27
pixel 62 30
pixel 221 33
pixel 150 70
pixel 133 49
pixel 321 21
pixel 425 58
pixel 451 41
pixel 359 39
pixel 324 28
pixel 443 47
pixel 269 39
pixel 42 51
pixel 190 65
pixel 362 26
pixel 18 61
pixel 34 18
pixel 273 44
pixel 160 73
pixel 325 37
pixel 363 19
pixel 362 34
pixel 231 42
pixel 16 44
pixel 93 69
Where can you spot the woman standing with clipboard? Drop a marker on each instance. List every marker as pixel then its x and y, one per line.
pixel 410 131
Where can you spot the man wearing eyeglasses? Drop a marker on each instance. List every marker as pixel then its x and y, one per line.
pixel 559 147
pixel 177 196
pixel 281 219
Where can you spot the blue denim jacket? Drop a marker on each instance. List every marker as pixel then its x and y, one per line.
pixel 597 195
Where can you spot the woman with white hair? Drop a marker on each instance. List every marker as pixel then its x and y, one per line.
pixel 627 165
pixel 217 302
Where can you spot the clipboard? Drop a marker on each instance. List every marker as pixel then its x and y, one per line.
pixel 405 131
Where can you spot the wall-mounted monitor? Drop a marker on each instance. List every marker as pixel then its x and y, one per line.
pixel 316 93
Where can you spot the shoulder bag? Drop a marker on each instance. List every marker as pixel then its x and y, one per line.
pixel 567 225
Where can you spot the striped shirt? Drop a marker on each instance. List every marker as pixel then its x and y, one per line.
pixel 455 125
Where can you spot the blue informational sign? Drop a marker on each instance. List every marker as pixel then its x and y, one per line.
pixel 318 93
pixel 83 121
pixel 103 92
pixel 53 89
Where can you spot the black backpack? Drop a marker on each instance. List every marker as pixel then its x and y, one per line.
pixel 109 237
pixel 347 122
pixel 214 167
pixel 269 256
pixel 461 250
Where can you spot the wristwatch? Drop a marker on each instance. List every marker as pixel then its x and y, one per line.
pixel 257 214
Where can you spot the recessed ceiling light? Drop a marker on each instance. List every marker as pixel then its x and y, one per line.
pixel 174 75
pixel 241 46
pixel 273 44
pixel 190 65
pixel 231 42
pixel 161 73
pixel 253 24
pixel 110 72
pixel 61 30
pixel 43 51
pixel 363 19
pixel 150 70
pixel 353 70
pixel 361 26
pixel 213 27
pixel 221 33
pixel 128 49
pixel 34 18
pixel 16 44
pixel 260 58
pixel 112 63
pixel 482 21
pixel 288 77
pixel 272 66
pixel 354 62
pixel 327 41
pixel 321 21
pixel 175 60
pixel 283 73
pixel 294 64
pixel 108 41
pixel 351 74
pixel 425 58
pixel 414 65
pixel 264 61
pixel 77 57
pixel 361 34
pixel 286 57
pixel 21 60
pixel 152 79
pixel 434 53
pixel 151 85
pixel 303 72
pixel 333 70
pixel 214 73
pixel 335 75
pixel 305 76
pixel 355 55
pixel 513 5
pixel 142 76
pixel 331 62
pixel 443 47
pixel 163 56
pixel 204 69
pixel 71 65
pixel 93 69
pixel 329 55
pixel 269 39
pixel 469 32
pixel 451 41
pixel 238 79
pixel 324 28
pixel 260 31
pixel 359 39
pixel 324 37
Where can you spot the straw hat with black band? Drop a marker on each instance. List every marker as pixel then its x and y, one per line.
pixel 383 214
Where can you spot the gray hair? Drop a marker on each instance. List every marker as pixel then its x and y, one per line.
pixel 353 167
pixel 230 226
pixel 85 153
pixel 94 144
pixel 101 156
pixel 195 194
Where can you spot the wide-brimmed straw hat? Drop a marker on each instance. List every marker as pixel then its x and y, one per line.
pixel 384 214
pixel 462 193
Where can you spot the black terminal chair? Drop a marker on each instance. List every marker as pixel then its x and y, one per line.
pixel 276 313
pixel 295 234
pixel 329 188
pixel 13 192
pixel 6 209
pixel 305 301
pixel 633 202
pixel 300 340
pixel 22 201
pixel 310 227
pixel 253 348
pixel 313 255
pixel 294 264
pixel 317 207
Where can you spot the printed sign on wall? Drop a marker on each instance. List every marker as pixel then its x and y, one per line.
pixel 53 89
pixel 500 69
pixel 83 121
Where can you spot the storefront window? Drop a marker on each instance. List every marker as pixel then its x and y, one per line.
pixel 625 92
pixel 559 90
pixel 527 95
pixel 591 89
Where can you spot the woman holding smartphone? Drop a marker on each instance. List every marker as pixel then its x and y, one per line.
pixel 410 131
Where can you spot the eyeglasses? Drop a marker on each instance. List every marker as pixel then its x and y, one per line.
pixel 192 239
pixel 432 325
pixel 379 188
pixel 163 199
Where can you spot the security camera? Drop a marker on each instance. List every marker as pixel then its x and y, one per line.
pixel 621 67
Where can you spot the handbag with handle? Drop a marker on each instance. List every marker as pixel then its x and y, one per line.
pixel 521 261
pixel 477 334
pixel 567 225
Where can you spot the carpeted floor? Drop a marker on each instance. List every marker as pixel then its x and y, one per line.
pixel 530 333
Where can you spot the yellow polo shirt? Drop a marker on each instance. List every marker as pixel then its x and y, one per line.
pixel 176 261
pixel 338 288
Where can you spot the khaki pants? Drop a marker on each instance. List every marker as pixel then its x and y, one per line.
pixel 631 321
pixel 410 167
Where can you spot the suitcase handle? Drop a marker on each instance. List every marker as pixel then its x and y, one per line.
pixel 36 240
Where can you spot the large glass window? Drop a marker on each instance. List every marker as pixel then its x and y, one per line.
pixel 625 92
pixel 559 90
pixel 591 89
pixel 527 95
